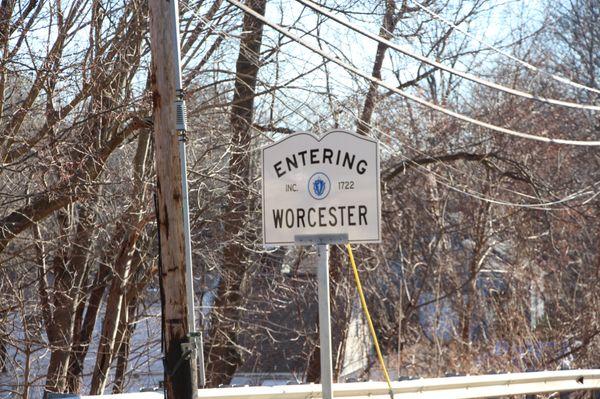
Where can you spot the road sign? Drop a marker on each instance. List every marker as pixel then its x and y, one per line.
pixel 321 186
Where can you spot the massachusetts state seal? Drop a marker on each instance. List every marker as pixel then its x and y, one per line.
pixel 319 186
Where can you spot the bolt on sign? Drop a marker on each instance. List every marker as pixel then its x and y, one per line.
pixel 321 186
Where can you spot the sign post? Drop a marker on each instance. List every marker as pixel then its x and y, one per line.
pixel 325 321
pixel 321 191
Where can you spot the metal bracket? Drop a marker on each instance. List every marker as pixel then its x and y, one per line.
pixel 321 239
pixel 188 347
pixel 193 340
pixel 190 350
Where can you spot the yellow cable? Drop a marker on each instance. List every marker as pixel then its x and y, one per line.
pixel 368 316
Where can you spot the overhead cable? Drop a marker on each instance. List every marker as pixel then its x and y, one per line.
pixel 542 204
pixel 504 53
pixel 436 64
pixel 410 96
pixel 545 205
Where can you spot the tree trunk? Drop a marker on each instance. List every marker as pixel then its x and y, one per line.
pixel 3 351
pixel 223 356
pixel 115 305
pixel 6 11
pixel 389 24
pixel 313 367
pixel 124 339
pixel 69 270
pixel 86 330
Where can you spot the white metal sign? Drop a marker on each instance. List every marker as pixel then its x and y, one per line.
pixel 321 186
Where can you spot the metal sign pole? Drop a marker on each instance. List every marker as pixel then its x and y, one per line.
pixel 325 321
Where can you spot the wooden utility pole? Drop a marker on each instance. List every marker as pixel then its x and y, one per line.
pixel 180 362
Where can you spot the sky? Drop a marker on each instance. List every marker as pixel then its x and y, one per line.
pixel 502 18
pixel 495 24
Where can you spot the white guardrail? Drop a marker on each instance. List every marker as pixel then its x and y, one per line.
pixel 467 387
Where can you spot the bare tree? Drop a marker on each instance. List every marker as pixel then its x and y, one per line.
pixel 490 251
pixel 223 355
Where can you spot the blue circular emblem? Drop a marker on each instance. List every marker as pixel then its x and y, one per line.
pixel 319 186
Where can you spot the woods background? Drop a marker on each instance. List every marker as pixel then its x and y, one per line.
pixel 490 258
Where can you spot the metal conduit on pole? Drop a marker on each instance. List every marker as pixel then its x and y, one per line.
pixel 195 337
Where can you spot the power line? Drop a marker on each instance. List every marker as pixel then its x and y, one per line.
pixel 410 96
pixel 504 53
pixel 429 61
pixel 543 204
pixel 470 192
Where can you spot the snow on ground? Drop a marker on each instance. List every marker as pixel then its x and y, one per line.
pixel 138 395
pixel 144 370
